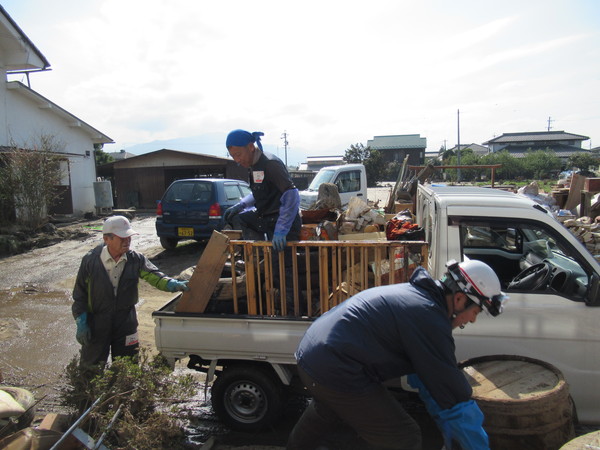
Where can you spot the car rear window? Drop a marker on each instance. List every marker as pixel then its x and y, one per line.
pixel 192 191
pixel 232 192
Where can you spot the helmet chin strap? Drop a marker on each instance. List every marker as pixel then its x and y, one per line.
pixel 455 314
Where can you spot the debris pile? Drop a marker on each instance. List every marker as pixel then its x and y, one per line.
pixel 330 222
pixel 360 218
pixel 587 231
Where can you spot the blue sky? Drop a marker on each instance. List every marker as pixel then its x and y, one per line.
pixel 329 73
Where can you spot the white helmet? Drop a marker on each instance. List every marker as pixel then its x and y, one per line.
pixel 479 282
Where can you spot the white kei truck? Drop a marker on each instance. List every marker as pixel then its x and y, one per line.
pixel 553 282
pixel 350 179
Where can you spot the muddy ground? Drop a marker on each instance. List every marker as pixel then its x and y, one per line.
pixel 37 332
pixel 37 329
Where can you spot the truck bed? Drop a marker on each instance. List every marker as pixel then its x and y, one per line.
pixel 257 326
pixel 271 339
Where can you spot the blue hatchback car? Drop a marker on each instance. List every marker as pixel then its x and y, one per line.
pixel 193 208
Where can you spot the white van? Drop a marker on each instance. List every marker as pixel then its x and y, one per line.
pixel 350 179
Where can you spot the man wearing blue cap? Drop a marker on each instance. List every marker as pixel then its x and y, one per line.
pixel 274 197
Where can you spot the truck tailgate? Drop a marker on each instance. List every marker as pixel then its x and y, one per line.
pixel 219 336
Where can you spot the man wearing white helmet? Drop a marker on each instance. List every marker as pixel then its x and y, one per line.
pixel 384 333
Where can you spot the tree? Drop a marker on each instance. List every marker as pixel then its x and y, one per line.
pixel 375 168
pixel 357 154
pixel 540 164
pixel 30 178
pixel 511 167
pixel 102 157
pixel 583 161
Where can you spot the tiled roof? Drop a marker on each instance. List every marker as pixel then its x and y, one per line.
pixel 477 149
pixel 562 151
pixel 324 158
pixel 539 136
pixel 397 142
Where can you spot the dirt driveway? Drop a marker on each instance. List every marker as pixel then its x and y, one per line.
pixel 37 330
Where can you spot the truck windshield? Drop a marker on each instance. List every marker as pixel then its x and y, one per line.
pixel 323 176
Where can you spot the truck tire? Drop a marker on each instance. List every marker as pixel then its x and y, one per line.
pixel 168 243
pixel 247 398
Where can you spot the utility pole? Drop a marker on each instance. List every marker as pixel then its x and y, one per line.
pixel 549 122
pixel 285 145
pixel 458 146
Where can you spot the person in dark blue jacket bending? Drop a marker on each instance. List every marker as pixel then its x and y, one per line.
pixel 384 333
pixel 272 211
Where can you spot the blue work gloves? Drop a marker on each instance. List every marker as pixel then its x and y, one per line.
pixel 290 203
pixel 279 242
pixel 233 211
pixel 83 333
pixel 462 423
pixel 175 285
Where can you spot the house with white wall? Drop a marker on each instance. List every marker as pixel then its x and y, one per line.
pixel 26 115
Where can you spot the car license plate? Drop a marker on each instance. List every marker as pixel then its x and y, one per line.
pixel 185 232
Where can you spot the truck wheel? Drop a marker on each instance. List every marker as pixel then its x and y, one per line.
pixel 247 398
pixel 168 243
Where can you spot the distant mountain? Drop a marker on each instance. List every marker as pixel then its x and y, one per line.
pixel 210 144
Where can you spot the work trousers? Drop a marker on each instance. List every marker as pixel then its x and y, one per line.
pixel 375 415
pixel 113 334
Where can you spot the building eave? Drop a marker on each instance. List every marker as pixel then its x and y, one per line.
pixel 30 58
pixel 73 121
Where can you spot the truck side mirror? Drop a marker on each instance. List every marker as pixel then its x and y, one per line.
pixel 592 298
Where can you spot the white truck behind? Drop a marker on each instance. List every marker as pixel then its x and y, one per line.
pixel 350 179
pixel 552 315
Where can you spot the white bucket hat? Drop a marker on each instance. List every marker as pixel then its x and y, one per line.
pixel 119 226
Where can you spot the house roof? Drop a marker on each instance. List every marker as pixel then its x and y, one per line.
pixel 17 50
pixel 478 149
pixel 314 159
pixel 121 155
pixel 536 136
pixel 96 136
pixel 161 158
pixel 397 142
pixel 561 150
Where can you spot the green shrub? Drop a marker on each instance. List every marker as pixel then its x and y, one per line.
pixel 147 393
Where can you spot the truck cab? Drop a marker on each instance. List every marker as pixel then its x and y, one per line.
pixel 350 179
pixel 550 277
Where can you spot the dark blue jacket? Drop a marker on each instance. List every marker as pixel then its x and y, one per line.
pixel 383 333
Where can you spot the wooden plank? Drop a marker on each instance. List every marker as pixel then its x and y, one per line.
pixel 295 282
pixel 577 183
pixel 251 268
pixel 323 279
pixel 282 284
pixel 234 279
pixel 308 280
pixel 206 275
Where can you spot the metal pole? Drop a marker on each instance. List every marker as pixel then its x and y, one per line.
pixel 285 145
pixel 75 425
pixel 110 425
pixel 458 146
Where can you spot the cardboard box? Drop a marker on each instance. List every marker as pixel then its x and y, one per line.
pixel 402 206
pixel 376 236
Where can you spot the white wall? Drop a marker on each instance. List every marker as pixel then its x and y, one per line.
pixel 25 121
